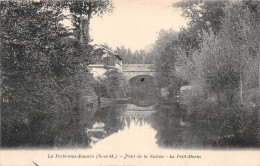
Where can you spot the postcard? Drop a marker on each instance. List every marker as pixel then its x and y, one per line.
pixel 130 82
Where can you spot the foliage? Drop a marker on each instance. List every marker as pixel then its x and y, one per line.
pixel 202 16
pixel 227 61
pixel 113 85
pixel 167 50
pixel 29 39
pixel 82 11
pixel 225 74
pixel 45 80
pixel 217 56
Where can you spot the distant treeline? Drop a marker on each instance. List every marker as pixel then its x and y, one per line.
pixel 135 57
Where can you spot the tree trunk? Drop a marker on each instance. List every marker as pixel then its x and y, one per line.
pixel 81 29
pixel 258 19
pixel 86 26
pixel 240 85
pixel 231 95
pixel 218 98
pixel 0 98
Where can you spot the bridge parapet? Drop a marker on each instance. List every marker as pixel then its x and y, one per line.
pixel 138 67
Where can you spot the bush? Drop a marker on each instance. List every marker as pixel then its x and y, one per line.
pixel 235 125
pixel 113 85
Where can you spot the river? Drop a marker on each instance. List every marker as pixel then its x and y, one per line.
pixel 155 126
pixel 145 124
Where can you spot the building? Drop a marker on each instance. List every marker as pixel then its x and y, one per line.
pixel 109 60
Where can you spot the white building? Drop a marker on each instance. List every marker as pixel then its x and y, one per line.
pixel 109 60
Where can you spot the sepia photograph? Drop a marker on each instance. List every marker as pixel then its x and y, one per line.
pixel 130 82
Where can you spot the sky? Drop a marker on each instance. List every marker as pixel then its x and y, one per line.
pixel 135 23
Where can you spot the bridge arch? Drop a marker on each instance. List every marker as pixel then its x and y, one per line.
pixel 132 70
pixel 141 79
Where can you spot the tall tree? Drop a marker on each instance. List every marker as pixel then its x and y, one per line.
pixel 30 35
pixel 82 11
pixel 227 61
pixel 167 49
pixel 43 73
pixel 202 16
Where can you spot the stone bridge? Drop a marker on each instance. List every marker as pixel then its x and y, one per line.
pixel 133 70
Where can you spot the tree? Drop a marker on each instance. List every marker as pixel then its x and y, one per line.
pixel 224 74
pixel 112 85
pixel 30 36
pixel 226 61
pixel 43 73
pixel 137 57
pixel 202 16
pixel 167 50
pixel 82 11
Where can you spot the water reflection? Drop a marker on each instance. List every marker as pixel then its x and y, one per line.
pixel 143 103
pixel 106 123
pixel 136 131
pixel 125 123
pixel 173 129
pixel 115 119
pixel 157 126
pixel 153 126
pixel 111 126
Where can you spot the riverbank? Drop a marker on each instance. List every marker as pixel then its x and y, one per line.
pixel 236 124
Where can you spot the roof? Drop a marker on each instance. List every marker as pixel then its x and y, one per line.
pixel 110 51
pixel 101 66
